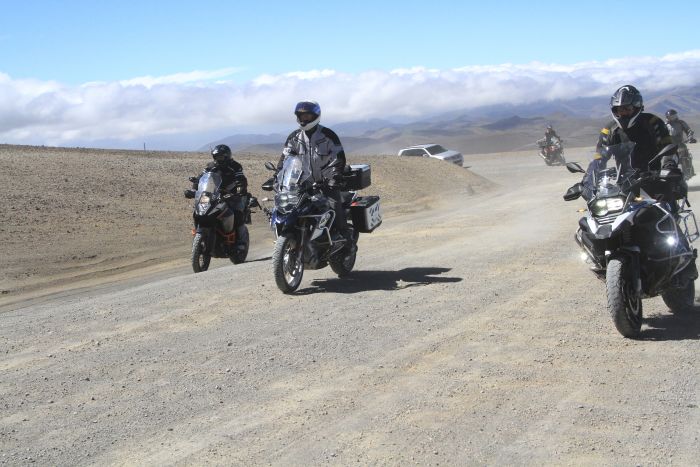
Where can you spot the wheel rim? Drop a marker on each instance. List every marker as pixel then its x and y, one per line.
pixel 633 304
pixel 203 259
pixel 291 263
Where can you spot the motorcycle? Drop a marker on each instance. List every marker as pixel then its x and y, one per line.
pixel 636 244
pixel 302 220
pixel 686 159
pixel 552 153
pixel 214 232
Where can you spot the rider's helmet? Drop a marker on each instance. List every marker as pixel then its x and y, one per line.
pixel 308 114
pixel 625 105
pixel 549 130
pixel 221 153
pixel 671 115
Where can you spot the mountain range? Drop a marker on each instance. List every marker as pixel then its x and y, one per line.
pixel 485 129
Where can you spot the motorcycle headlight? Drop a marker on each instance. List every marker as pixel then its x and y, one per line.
pixel 286 200
pixel 204 199
pixel 601 207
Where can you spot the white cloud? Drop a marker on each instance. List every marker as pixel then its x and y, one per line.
pixel 46 112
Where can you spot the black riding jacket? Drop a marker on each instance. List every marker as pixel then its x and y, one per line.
pixel 231 176
pixel 650 135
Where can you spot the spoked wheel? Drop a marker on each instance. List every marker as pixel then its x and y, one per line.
pixel 287 263
pixel 624 303
pixel 200 259
pixel 343 261
pixel 240 255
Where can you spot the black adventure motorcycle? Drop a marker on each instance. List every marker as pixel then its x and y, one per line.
pixel 214 221
pixel 636 244
pixel 302 220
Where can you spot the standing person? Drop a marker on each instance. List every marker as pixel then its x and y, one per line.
pixel 680 134
pixel 326 156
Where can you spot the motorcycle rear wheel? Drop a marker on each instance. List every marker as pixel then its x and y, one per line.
pixel 624 304
pixel 687 168
pixel 342 263
pixel 239 256
pixel 680 300
pixel 200 260
pixel 287 263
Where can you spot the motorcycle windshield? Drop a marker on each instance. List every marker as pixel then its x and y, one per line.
pixel 608 180
pixel 295 171
pixel 209 182
pixel 607 183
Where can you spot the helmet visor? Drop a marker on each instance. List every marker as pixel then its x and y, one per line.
pixel 623 110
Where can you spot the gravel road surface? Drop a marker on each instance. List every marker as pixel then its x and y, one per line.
pixel 469 333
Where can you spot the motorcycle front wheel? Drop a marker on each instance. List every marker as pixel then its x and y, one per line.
pixel 287 263
pixel 200 260
pixel 624 304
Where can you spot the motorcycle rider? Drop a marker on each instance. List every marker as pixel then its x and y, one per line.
pixel 630 123
pixel 550 134
pixel 327 158
pixel 233 181
pixel 550 138
pixel 680 133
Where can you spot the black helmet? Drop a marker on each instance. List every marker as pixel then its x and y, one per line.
pixel 671 115
pixel 549 129
pixel 628 99
pixel 308 114
pixel 221 153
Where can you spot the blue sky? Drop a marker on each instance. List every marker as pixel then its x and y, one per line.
pixel 151 63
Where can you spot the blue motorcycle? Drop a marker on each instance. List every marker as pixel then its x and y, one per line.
pixel 303 221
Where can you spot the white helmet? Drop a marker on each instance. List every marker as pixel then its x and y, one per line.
pixel 308 114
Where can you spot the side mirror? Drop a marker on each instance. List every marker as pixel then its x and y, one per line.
pixel 189 194
pixel 269 184
pixel 194 179
pixel 574 167
pixel 270 166
pixel 574 192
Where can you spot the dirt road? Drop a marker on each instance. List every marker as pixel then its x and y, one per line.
pixel 468 334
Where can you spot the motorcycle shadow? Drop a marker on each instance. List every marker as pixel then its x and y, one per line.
pixel 362 281
pixel 673 327
pixel 266 258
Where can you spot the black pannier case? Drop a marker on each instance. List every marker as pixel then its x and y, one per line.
pixel 358 176
pixel 366 213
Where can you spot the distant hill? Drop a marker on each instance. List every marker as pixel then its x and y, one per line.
pixel 485 129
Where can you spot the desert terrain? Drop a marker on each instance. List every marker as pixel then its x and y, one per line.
pixel 469 332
